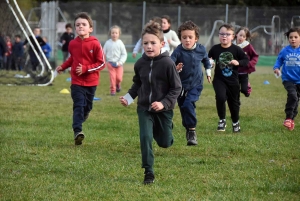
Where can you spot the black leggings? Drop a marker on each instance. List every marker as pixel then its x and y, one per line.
pixel 293 96
pixel 229 93
pixel 244 79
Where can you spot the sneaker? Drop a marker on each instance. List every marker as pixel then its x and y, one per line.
pixel 249 90
pixel 289 124
pixel 78 138
pixel 149 178
pixel 191 138
pixel 118 88
pixel 236 127
pixel 221 125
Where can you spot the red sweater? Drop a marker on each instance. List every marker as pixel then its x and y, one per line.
pixel 253 58
pixel 89 53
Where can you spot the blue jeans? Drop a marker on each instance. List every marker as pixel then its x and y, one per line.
pixel 82 104
pixel 186 102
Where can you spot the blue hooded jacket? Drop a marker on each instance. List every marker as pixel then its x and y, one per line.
pixel 289 59
pixel 191 74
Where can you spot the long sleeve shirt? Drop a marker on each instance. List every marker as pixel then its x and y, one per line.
pixel 115 51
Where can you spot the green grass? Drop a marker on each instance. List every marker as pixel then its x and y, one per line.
pixel 39 161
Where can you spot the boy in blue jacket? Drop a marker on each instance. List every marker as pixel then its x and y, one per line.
pixel 289 59
pixel 188 57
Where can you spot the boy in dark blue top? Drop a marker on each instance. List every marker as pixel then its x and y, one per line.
pixel 289 59
pixel 190 54
pixel 17 53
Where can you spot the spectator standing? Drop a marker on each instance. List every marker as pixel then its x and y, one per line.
pixel 65 39
pixel 17 53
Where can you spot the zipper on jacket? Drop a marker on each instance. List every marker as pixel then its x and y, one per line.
pixel 150 74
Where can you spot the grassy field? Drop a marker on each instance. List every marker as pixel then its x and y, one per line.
pixel 40 162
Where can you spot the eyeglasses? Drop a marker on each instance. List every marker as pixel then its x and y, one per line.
pixel 224 34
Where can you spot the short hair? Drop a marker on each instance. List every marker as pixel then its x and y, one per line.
pixel 188 25
pixel 115 27
pixel 294 29
pixel 247 32
pixel 154 28
pixel 227 26
pixel 17 36
pixel 69 25
pixel 84 15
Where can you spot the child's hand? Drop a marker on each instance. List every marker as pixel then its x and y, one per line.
pixel 179 67
pixel 59 69
pixel 209 79
pixel 277 71
pixel 157 106
pixel 123 101
pixel 79 69
pixel 133 55
pixel 234 62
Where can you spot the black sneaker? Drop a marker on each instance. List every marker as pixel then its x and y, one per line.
pixel 236 127
pixel 221 125
pixel 78 137
pixel 149 178
pixel 192 138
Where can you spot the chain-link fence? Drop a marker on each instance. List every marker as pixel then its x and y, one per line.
pixel 268 24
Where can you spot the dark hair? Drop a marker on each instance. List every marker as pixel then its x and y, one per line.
pixel 227 26
pixel 247 32
pixel 188 25
pixel 84 15
pixel 17 36
pixel 154 28
pixel 167 17
pixel 294 29
pixel 68 25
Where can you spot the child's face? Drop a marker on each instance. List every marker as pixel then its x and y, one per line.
pixel 37 32
pixel 152 45
pixel 83 28
pixel 69 30
pixel 188 38
pixel 17 39
pixel 165 24
pixel 240 37
pixel 115 34
pixel 226 36
pixel 294 39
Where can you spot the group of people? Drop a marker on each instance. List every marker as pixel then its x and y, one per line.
pixel 12 53
pixel 163 77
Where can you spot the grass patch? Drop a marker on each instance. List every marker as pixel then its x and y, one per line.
pixel 39 161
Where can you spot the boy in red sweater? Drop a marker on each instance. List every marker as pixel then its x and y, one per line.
pixel 86 60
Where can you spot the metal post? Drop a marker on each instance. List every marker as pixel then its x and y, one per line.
pixel 110 15
pixel 247 14
pixel 179 16
pixel 144 14
pixel 226 17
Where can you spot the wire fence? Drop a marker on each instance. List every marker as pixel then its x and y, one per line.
pixel 268 24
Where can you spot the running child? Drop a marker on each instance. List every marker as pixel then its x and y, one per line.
pixel 228 58
pixel 289 59
pixel 169 34
pixel 188 57
pixel 243 38
pixel 116 55
pixel 86 60
pixel 157 85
